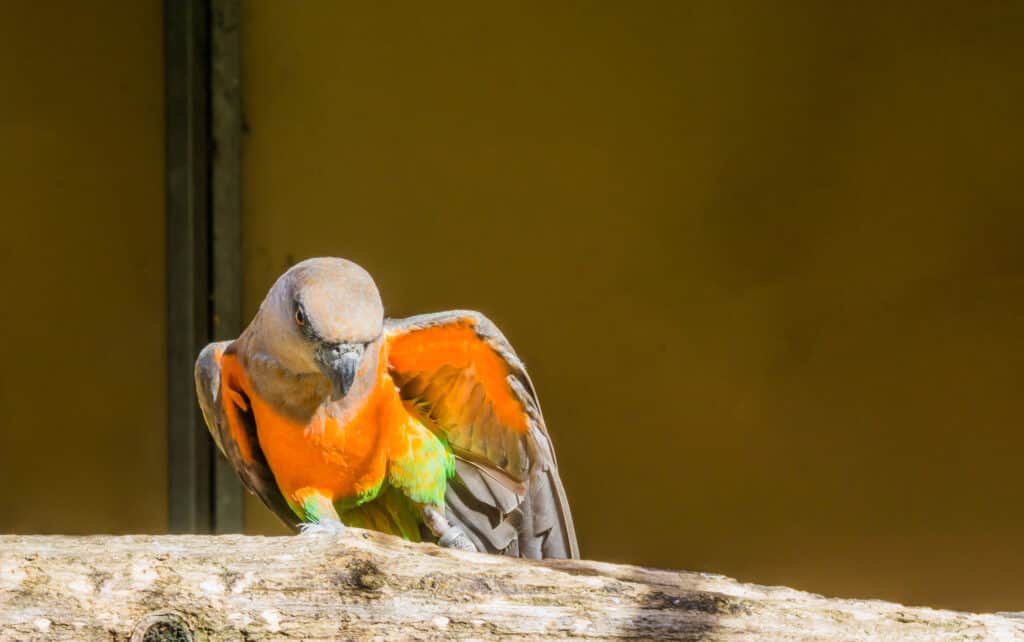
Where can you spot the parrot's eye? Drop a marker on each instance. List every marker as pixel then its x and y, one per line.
pixel 300 316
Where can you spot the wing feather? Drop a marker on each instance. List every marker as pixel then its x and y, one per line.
pixel 231 424
pixel 507 494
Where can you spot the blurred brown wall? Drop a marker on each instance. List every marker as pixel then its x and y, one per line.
pixel 82 415
pixel 764 260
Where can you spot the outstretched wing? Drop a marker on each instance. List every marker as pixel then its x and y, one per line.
pixel 507 494
pixel 230 421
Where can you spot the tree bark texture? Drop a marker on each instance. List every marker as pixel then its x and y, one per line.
pixel 363 585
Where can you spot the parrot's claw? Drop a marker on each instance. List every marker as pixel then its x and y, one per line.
pixel 448 535
pixel 455 538
pixel 323 527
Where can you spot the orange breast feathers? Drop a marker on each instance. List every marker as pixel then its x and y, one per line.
pixel 338 460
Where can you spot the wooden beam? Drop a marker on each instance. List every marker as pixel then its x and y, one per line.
pixel 226 214
pixel 203 142
pixel 187 148
pixel 365 585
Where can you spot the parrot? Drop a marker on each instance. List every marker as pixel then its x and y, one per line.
pixel 426 427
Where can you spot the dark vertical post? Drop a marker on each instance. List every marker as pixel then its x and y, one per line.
pixel 226 110
pixel 186 50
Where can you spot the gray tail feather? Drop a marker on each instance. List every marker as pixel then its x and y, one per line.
pixel 540 527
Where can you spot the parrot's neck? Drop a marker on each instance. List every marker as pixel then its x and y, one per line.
pixel 301 396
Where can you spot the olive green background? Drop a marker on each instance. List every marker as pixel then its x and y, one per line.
pixel 764 261
pixel 82 333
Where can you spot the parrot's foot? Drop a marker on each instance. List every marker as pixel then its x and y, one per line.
pixel 448 535
pixel 455 538
pixel 323 527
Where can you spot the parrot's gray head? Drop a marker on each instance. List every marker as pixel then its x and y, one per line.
pixel 320 316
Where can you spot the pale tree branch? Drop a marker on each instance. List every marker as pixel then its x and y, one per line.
pixel 364 585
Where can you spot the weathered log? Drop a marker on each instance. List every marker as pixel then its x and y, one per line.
pixel 364 585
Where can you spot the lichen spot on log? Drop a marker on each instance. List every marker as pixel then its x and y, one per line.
pixel 364 574
pixel 162 627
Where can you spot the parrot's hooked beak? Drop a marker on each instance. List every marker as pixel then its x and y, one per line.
pixel 339 363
